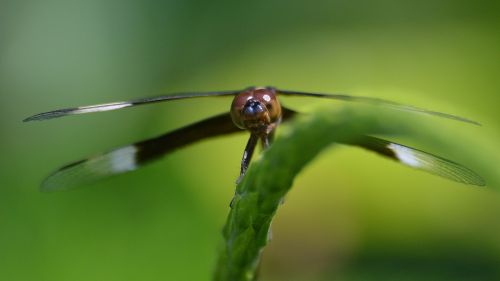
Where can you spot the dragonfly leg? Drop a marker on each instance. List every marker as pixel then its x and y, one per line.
pixel 267 139
pixel 247 155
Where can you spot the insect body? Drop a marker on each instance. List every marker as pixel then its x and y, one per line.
pixel 256 110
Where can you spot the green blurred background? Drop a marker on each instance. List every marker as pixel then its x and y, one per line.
pixel 350 216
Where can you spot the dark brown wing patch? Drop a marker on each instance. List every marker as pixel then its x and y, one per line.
pixel 134 156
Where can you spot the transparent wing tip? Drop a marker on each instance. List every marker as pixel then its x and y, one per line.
pixel 476 180
pixel 47 115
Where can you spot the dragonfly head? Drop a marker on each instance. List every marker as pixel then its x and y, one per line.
pixel 256 109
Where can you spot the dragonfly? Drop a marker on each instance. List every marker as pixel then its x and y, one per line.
pixel 254 109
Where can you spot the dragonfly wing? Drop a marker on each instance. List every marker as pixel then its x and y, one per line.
pixel 411 157
pixel 419 160
pixel 134 156
pixel 377 101
pixel 122 104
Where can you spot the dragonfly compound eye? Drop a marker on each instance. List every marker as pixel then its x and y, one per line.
pixel 256 109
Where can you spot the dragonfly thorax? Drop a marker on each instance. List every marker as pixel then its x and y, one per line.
pixel 256 109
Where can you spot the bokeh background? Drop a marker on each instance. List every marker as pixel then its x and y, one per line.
pixel 350 216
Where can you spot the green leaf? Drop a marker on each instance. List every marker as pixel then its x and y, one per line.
pixel 268 180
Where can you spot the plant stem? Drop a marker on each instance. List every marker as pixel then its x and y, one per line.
pixel 268 179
